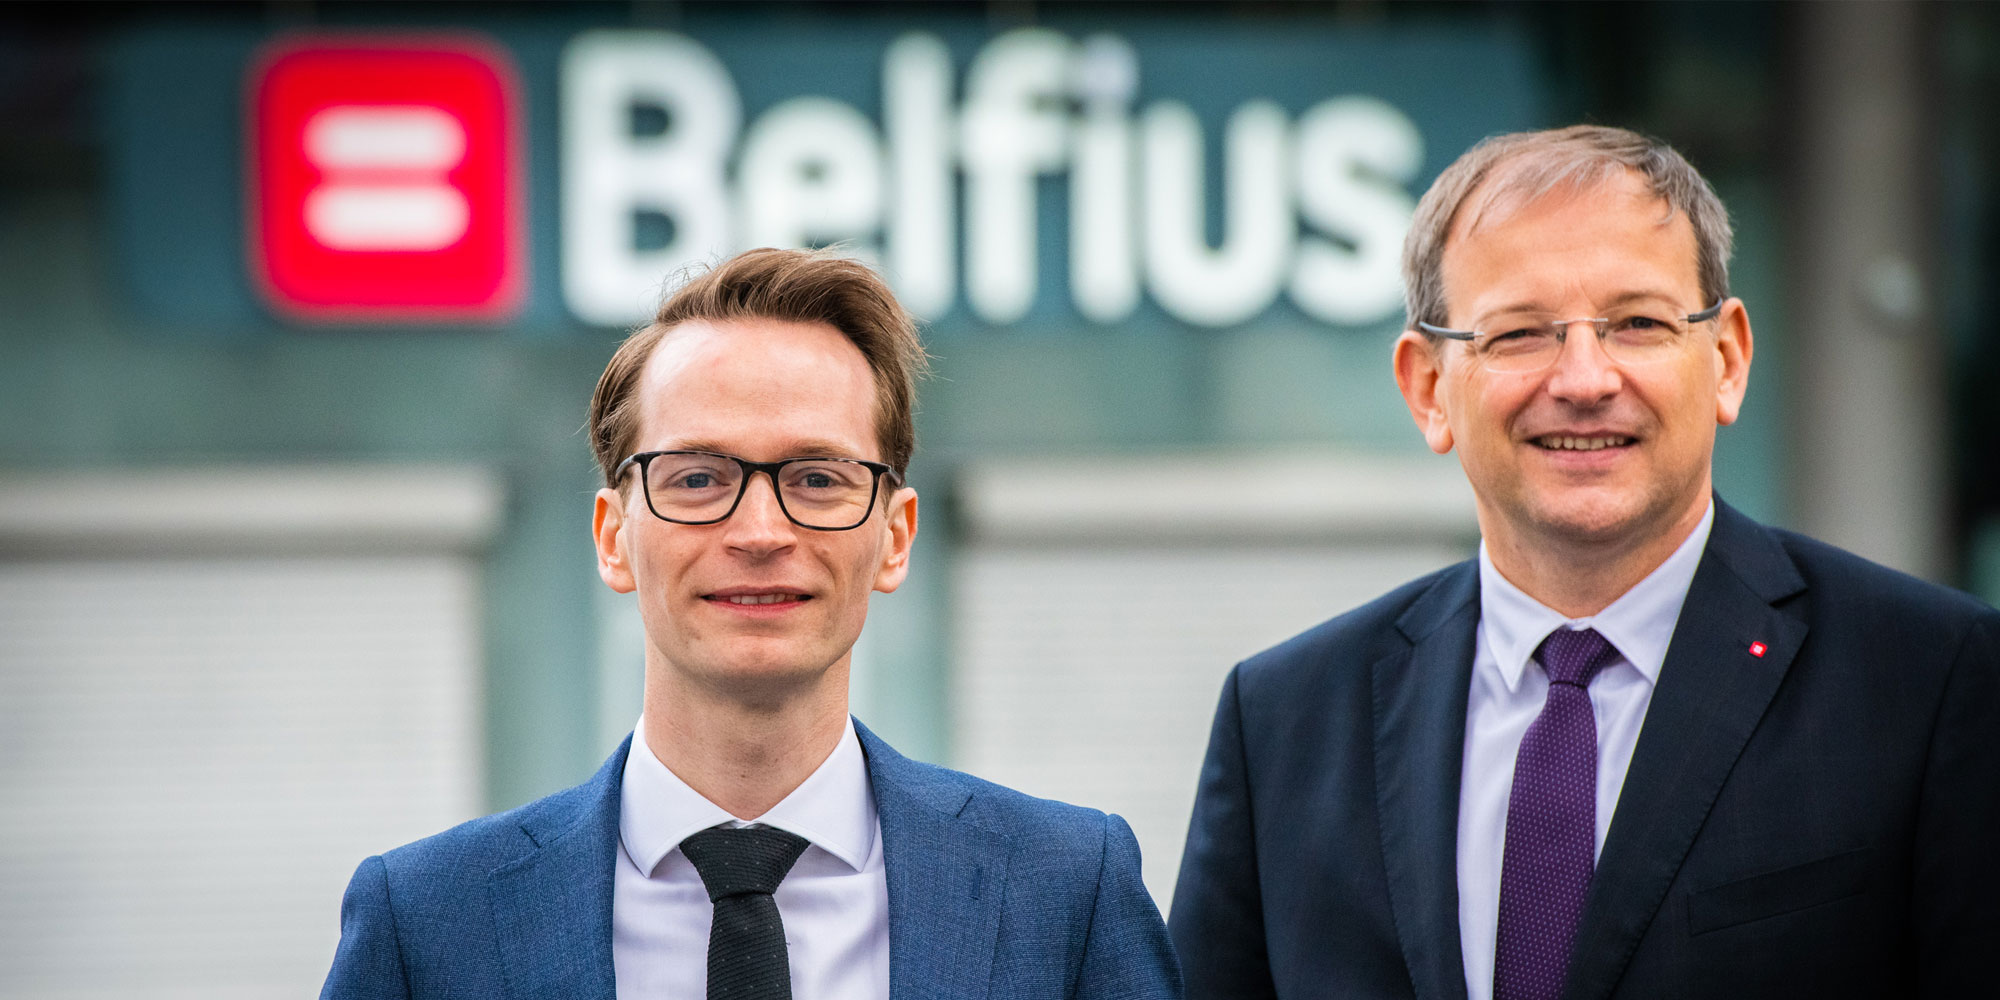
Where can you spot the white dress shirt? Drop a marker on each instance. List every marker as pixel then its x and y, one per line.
pixel 834 903
pixel 1507 694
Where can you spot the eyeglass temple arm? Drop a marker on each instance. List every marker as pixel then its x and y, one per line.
pixel 1438 331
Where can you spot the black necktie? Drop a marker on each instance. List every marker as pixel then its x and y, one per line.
pixel 746 945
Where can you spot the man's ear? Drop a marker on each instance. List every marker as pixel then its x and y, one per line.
pixel 1418 372
pixel 607 528
pixel 901 522
pixel 1733 348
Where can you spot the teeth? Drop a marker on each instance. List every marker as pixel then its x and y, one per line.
pixel 760 598
pixel 1567 443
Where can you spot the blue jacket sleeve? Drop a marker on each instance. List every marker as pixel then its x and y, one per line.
pixel 368 964
pixel 1955 917
pixel 1218 910
pixel 1126 954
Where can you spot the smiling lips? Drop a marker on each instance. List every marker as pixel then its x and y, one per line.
pixel 746 599
pixel 1580 442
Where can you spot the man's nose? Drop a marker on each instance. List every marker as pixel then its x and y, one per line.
pixel 1582 371
pixel 759 524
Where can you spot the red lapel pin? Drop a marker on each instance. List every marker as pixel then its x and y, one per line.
pixel 1757 649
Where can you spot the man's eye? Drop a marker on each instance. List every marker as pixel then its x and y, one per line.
pixel 1518 337
pixel 1648 329
pixel 695 479
pixel 820 477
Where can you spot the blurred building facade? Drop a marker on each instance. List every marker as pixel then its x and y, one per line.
pixel 301 306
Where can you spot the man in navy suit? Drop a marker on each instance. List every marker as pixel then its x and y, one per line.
pixel 1641 746
pixel 751 840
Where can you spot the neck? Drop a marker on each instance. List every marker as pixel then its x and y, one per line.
pixel 741 754
pixel 1579 578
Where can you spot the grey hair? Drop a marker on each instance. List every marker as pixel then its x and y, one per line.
pixel 1505 172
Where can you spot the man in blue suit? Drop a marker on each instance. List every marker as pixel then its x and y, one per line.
pixel 1641 746
pixel 751 840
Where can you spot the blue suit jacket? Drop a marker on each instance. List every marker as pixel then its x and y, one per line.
pixel 991 894
pixel 1819 821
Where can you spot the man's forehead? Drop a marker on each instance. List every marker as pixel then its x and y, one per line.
pixel 746 355
pixel 680 344
pixel 1514 266
pixel 771 364
pixel 714 340
pixel 1513 188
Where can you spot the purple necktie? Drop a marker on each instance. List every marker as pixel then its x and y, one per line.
pixel 1551 824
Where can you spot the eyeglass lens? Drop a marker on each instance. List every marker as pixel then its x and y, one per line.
pixel 1532 342
pixel 816 493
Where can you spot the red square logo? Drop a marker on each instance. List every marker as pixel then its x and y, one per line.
pixel 384 179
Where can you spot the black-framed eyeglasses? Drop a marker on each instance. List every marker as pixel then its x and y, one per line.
pixel 704 487
pixel 1530 342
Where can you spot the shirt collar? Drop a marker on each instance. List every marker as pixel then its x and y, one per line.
pixel 1639 624
pixel 834 808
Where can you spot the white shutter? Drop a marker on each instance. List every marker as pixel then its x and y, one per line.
pixel 1097 608
pixel 197 748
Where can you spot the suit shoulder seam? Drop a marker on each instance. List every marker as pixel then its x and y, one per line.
pixel 395 926
pixel 1249 791
pixel 1096 898
pixel 1972 628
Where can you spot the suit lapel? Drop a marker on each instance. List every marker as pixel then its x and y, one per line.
pixel 552 906
pixel 1713 690
pixel 945 874
pixel 1419 711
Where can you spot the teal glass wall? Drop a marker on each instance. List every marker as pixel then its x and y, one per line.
pixel 132 334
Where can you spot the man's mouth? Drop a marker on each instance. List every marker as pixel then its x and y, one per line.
pixel 1575 442
pixel 767 598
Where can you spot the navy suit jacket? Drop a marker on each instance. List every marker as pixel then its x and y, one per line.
pixel 1819 821
pixel 991 894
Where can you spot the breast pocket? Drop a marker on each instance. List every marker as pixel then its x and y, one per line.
pixel 1786 890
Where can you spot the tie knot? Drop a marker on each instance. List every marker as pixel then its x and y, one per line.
pixel 738 862
pixel 1574 656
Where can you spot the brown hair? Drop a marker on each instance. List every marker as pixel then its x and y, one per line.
pixel 1504 172
pixel 800 286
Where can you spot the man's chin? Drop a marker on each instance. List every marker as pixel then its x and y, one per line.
pixel 766 683
pixel 1593 520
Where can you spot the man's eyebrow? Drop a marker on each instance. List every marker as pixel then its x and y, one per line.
pixel 1518 306
pixel 1515 308
pixel 1644 294
pixel 795 448
pixel 1622 298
